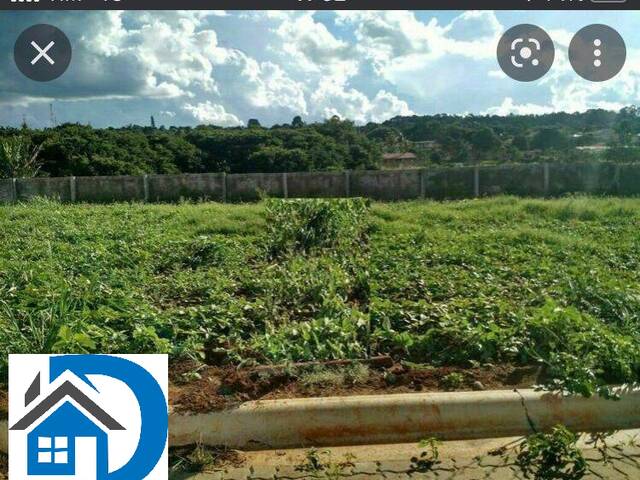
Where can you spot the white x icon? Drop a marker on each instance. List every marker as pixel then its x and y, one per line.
pixel 42 53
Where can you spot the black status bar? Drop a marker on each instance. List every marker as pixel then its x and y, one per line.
pixel 17 5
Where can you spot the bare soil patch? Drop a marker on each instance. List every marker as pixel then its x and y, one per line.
pixel 216 388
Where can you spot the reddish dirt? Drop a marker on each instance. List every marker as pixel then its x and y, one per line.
pixel 4 404
pixel 218 388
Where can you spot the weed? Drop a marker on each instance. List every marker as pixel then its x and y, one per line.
pixel 320 464
pixel 202 458
pixel 452 381
pixel 428 458
pixel 552 456
pixel 335 377
pixel 305 225
pixel 546 282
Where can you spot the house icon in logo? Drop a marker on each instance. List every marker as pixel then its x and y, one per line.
pixel 56 425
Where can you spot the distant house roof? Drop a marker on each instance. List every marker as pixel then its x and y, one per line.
pixel 426 143
pixel 399 156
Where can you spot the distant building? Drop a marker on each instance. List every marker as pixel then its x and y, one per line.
pixel 392 161
pixel 426 144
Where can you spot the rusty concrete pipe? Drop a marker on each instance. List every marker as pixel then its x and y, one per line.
pixel 396 418
pixel 399 418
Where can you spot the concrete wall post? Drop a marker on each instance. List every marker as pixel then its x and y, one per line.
pixel 72 189
pixel 347 183
pixel 476 181
pixel 14 190
pixel 546 179
pixel 285 189
pixel 224 187
pixel 145 185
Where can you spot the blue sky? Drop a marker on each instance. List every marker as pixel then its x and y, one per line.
pixel 189 68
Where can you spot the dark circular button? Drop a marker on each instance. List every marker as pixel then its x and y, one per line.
pixel 597 53
pixel 42 52
pixel 525 52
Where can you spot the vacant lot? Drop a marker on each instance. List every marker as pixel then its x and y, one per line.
pixel 549 284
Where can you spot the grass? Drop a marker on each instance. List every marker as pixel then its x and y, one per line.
pixel 554 282
pixel 335 377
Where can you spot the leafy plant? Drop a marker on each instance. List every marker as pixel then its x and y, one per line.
pixel 19 158
pixel 320 464
pixel 452 381
pixel 300 226
pixel 428 458
pixel 544 283
pixel 552 456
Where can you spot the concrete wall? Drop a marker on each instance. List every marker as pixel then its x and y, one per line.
pixel 521 180
pixel 242 187
pixel 385 184
pixel 629 179
pixel 449 183
pixel 594 178
pixel 110 189
pixel 534 180
pixel 6 190
pixel 58 188
pixel 170 188
pixel 317 184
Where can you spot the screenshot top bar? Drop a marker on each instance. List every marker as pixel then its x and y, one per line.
pixel 318 4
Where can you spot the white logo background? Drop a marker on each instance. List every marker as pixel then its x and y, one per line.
pixel 113 396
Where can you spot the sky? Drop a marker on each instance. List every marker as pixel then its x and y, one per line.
pixel 223 68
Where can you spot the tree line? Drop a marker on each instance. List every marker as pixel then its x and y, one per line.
pixel 335 144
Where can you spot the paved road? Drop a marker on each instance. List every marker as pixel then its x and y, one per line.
pixel 461 460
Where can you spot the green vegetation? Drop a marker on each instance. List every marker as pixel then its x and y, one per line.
pixel 552 456
pixel 428 458
pixel 335 144
pixel 547 282
pixel 18 158
pixel 335 377
pixel 452 381
pixel 82 150
pixel 321 464
pixel 594 135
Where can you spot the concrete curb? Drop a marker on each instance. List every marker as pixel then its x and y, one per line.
pixel 401 418
pixel 396 418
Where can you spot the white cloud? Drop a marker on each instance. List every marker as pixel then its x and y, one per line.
pixel 212 113
pixel 313 49
pixel 473 26
pixel 332 99
pixel 214 66
pixel 508 107
pixel 268 85
pixel 386 35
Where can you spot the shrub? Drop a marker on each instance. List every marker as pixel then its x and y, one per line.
pixel 300 226
pixel 19 158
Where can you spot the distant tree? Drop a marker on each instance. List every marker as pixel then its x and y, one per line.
pixel 463 153
pixel 278 159
pixel 627 125
pixel 297 122
pixel 153 122
pixel 521 142
pixel 484 140
pixel 549 139
pixel 253 123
